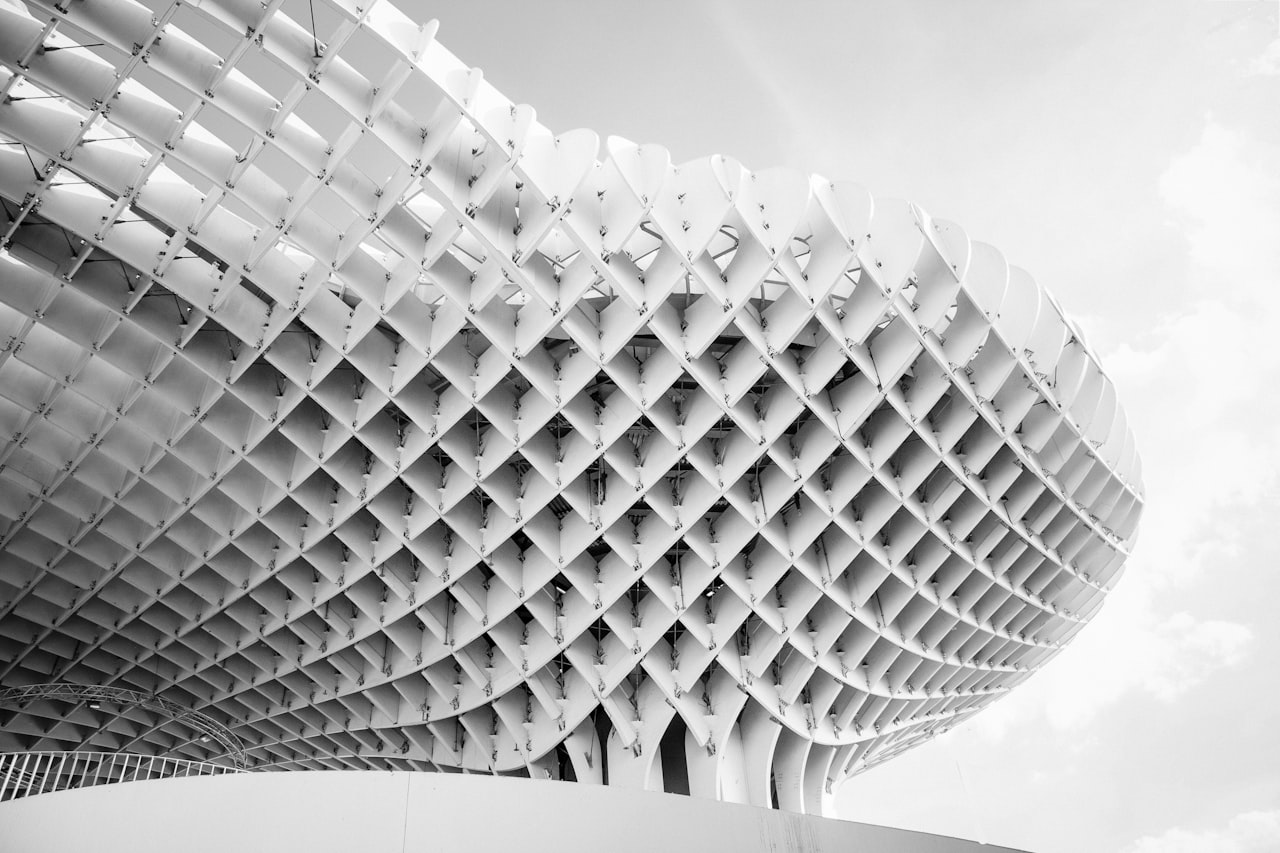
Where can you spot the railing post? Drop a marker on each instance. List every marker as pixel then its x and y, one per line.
pixel 25 777
pixel 8 771
pixel 32 773
pixel 20 780
pixel 44 775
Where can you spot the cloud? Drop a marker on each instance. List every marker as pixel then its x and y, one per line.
pixel 1222 193
pixel 1199 384
pixel 1268 64
pixel 1251 832
pixel 1187 649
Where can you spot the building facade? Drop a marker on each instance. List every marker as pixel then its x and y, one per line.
pixel 346 406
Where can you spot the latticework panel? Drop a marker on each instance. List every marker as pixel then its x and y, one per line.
pixel 344 403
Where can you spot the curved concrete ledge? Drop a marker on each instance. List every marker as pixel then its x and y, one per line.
pixel 386 812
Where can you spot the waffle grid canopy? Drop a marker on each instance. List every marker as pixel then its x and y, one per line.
pixel 347 405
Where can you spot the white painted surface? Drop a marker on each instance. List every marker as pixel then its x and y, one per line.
pixel 381 812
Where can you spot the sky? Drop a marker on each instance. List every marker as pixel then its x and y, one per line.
pixel 1128 156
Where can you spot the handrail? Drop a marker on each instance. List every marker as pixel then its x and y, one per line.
pixel 26 774
pixel 207 727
